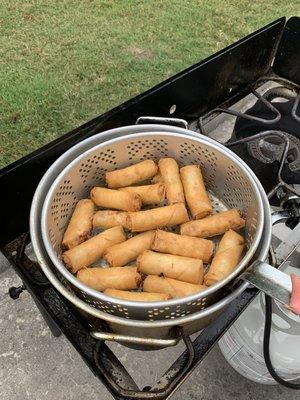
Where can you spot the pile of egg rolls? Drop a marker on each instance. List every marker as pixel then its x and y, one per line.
pixel 145 259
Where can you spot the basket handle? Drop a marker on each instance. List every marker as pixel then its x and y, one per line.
pixel 181 123
pixel 270 280
pixel 267 278
pixel 140 341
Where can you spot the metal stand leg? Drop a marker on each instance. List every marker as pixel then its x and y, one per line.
pixel 56 332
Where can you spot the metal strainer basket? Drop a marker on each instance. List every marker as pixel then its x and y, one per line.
pixel 228 180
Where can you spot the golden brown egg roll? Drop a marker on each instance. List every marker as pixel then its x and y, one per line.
pixel 98 278
pixel 170 174
pixel 122 253
pixel 128 176
pixel 170 286
pixel 90 251
pixel 105 219
pixel 109 198
pixel 157 218
pixel 80 224
pixel 226 258
pixel 180 245
pixel 184 269
pixel 214 224
pixel 195 192
pixel 150 194
pixel 137 296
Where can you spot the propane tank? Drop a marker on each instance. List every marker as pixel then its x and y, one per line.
pixel 242 344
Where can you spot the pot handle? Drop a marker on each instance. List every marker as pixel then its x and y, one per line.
pixel 270 280
pixel 160 391
pixel 267 278
pixel 142 341
pixel 181 123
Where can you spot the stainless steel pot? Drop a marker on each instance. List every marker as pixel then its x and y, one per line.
pixel 146 329
pixel 145 334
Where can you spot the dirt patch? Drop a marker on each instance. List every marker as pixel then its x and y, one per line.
pixel 28 16
pixel 14 116
pixel 141 54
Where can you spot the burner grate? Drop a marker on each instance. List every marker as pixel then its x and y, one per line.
pixel 266 134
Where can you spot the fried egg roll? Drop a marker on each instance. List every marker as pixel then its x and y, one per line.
pixel 170 174
pixel 122 253
pixel 130 175
pixel 214 224
pixel 195 192
pixel 98 278
pixel 150 194
pixel 226 258
pixel 170 286
pixel 106 219
pixel 157 218
pixel 90 251
pixel 180 245
pixel 184 269
pixel 80 224
pixel 109 198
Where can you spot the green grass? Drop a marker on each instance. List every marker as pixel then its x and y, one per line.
pixel 65 62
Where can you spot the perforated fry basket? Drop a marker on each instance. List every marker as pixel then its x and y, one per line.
pixel 229 181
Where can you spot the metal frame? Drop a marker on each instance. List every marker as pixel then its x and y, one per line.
pixel 63 318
